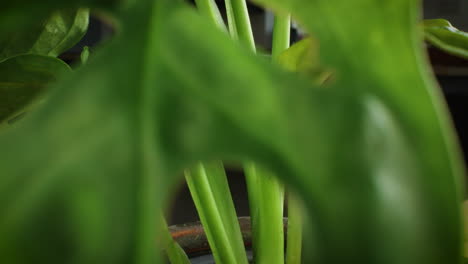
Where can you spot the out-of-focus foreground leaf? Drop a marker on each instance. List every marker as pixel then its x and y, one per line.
pixel 51 37
pixel 398 158
pixel 372 155
pixel 443 35
pixel 22 81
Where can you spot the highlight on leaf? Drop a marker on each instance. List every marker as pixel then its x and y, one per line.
pixel 441 33
pixel 59 32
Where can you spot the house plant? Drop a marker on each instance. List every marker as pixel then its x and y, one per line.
pixel 107 146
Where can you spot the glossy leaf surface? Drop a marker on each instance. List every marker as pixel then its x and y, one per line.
pixel 372 156
pixel 51 37
pixel 443 35
pixel 22 81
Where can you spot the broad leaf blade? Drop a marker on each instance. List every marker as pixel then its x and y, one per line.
pixel 379 63
pixel 446 37
pixel 67 26
pixel 66 184
pixel 63 147
pixel 23 80
pixel 24 14
pixel 373 160
pixel 56 34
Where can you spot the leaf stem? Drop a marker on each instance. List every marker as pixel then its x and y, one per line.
pixel 241 18
pixel 294 248
pixel 266 211
pixel 281 34
pixel 209 9
pixel 210 191
pixel 173 250
pixel 231 20
pixel 265 192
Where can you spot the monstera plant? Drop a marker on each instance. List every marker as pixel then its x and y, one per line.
pixel 369 148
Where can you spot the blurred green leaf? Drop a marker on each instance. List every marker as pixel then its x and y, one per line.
pixel 446 37
pixel 373 156
pixel 22 82
pixel 397 157
pixel 303 57
pixel 56 34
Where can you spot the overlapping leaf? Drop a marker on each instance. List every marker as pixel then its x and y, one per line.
pixel 22 81
pixel 443 35
pixel 51 37
pixel 407 157
pixel 371 155
pixel 303 57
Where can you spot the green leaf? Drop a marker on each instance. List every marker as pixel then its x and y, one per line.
pixel 446 37
pixel 303 57
pixel 397 157
pixel 373 156
pixel 23 80
pixel 174 251
pixel 209 188
pixel 51 37
pixel 22 15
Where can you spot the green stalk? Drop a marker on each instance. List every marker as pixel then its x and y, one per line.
pixel 294 248
pixel 209 9
pixel 173 250
pixel 254 192
pixel 241 18
pixel 210 191
pixel 230 19
pixel 281 34
pixel 266 211
pixel 265 192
